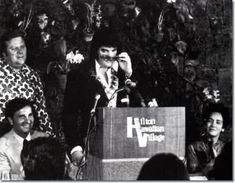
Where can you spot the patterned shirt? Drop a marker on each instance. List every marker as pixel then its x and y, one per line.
pixel 23 84
pixel 201 155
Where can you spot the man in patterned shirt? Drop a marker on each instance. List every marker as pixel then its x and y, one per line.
pixel 19 80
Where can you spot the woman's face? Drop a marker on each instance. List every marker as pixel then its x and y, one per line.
pixel 214 124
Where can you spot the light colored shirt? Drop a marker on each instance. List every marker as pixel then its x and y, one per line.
pixel 104 75
pixel 11 167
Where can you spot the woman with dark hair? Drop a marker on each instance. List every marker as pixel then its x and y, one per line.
pixel 163 166
pixel 201 154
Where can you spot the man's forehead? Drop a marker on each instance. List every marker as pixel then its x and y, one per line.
pixel 24 109
pixel 16 40
pixel 108 47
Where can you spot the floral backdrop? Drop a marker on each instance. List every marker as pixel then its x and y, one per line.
pixel 181 49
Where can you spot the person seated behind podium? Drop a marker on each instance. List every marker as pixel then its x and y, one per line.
pixel 223 167
pixel 20 114
pixel 201 154
pixel 43 159
pixel 96 79
pixel 163 166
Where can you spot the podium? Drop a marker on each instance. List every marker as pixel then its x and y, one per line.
pixel 125 138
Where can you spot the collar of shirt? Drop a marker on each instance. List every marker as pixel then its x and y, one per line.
pixel 20 139
pixel 100 71
pixel 24 69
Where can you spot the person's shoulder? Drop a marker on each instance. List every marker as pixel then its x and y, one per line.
pixel 3 64
pixel 36 134
pixel 5 138
pixel 197 144
pixel 30 73
pixel 29 69
pixel 81 71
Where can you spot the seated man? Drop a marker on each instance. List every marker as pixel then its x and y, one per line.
pixel 43 159
pixel 201 154
pixel 20 114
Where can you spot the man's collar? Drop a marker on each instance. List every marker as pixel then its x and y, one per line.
pixel 19 138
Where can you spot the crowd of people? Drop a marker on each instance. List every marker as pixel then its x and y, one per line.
pixel 31 145
pixel 96 81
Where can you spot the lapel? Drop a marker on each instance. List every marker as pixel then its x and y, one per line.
pixel 95 85
pixel 13 150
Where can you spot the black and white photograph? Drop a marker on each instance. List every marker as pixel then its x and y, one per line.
pixel 116 90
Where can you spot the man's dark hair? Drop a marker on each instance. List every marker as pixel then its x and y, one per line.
pixel 43 159
pixel 216 107
pixel 7 36
pixel 163 166
pixel 104 37
pixel 15 105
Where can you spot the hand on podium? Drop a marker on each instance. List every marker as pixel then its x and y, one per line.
pixel 77 157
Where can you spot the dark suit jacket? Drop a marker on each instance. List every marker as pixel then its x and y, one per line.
pixel 79 98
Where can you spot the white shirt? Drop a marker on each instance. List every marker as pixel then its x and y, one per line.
pixel 104 75
pixel 20 139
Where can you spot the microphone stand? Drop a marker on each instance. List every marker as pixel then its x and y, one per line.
pixel 89 131
pixel 115 92
pixel 90 128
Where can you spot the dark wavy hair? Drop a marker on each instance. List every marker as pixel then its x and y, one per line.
pixel 216 107
pixel 14 105
pixel 163 166
pixel 104 37
pixel 43 159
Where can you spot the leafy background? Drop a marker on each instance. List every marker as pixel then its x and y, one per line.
pixel 178 48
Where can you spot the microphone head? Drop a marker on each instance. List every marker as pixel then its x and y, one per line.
pixel 97 96
pixel 130 83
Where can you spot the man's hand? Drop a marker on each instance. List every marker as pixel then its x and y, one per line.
pixel 36 134
pixel 77 157
pixel 125 63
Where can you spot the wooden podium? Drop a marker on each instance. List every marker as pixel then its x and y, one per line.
pixel 127 137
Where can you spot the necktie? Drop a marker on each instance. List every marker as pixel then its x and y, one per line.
pixel 113 80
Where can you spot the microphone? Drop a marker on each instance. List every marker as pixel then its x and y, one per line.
pixel 141 99
pixel 130 84
pixel 97 97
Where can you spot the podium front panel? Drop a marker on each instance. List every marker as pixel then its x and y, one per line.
pixel 138 132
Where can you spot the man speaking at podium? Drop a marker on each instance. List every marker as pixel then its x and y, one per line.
pixel 103 81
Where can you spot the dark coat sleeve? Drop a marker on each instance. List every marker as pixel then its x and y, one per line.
pixel 71 110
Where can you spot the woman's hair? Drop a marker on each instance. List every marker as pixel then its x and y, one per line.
pixel 163 166
pixel 43 159
pixel 216 107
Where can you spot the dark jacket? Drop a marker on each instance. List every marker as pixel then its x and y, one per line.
pixel 82 86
